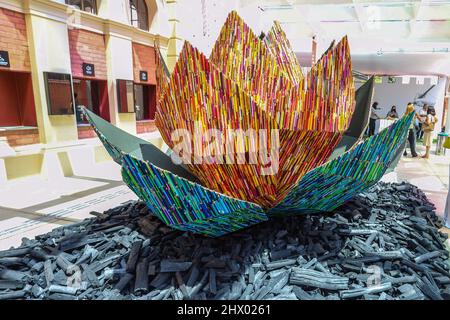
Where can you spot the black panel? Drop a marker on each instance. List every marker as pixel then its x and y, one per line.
pixel 359 122
pixel 360 118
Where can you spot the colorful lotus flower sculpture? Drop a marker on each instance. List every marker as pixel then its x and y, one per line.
pixel 252 83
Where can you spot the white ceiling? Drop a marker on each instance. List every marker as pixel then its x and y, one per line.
pixel 386 37
pixel 420 64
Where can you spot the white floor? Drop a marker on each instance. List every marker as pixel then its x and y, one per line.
pixel 32 206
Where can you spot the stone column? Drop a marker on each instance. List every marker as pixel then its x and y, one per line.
pixel 49 52
pixel 175 43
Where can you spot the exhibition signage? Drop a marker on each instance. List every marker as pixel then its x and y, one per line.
pixel 4 59
pixel 88 69
pixel 143 75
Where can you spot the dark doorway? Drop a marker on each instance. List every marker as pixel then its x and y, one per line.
pixel 17 100
pixel 92 94
pixel 145 102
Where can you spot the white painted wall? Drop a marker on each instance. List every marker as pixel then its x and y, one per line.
pixel 120 67
pixel 160 24
pixel 120 50
pixel 117 10
pixel 399 94
pixel 50 53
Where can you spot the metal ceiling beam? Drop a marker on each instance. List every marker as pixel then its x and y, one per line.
pixel 360 15
pixel 413 22
pixel 364 18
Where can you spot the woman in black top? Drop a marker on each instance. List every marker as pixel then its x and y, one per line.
pixel 393 113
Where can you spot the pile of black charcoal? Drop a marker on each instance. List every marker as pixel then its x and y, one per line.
pixel 382 245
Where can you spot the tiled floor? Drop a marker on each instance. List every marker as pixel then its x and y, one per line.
pixel 32 206
pixel 42 205
pixel 430 175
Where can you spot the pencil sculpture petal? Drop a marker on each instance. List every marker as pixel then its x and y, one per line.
pixel 255 136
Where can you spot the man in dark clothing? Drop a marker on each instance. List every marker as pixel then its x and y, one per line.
pixel 373 118
pixel 411 132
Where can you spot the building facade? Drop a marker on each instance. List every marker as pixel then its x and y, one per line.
pixel 59 55
pixel 56 56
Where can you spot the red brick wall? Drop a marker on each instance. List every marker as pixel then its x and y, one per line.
pixel 86 132
pixel 144 60
pixel 23 137
pixel 13 38
pixel 87 47
pixel 145 126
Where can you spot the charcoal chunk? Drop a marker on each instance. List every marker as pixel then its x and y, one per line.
pixel 174 266
pixel 311 278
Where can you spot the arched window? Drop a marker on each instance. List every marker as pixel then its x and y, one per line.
pixel 84 5
pixel 139 14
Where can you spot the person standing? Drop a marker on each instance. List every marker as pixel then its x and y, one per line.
pixel 411 132
pixel 447 211
pixel 428 128
pixel 422 115
pixel 392 114
pixel 79 113
pixel 373 118
pixel 447 208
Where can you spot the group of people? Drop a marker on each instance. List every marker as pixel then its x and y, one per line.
pixel 374 116
pixel 422 126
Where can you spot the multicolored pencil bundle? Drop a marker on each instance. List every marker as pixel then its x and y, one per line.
pixel 254 83
pixel 251 84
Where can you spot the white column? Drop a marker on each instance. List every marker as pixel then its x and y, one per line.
pixel 175 42
pixel 119 58
pixel 447 95
pixel 49 52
